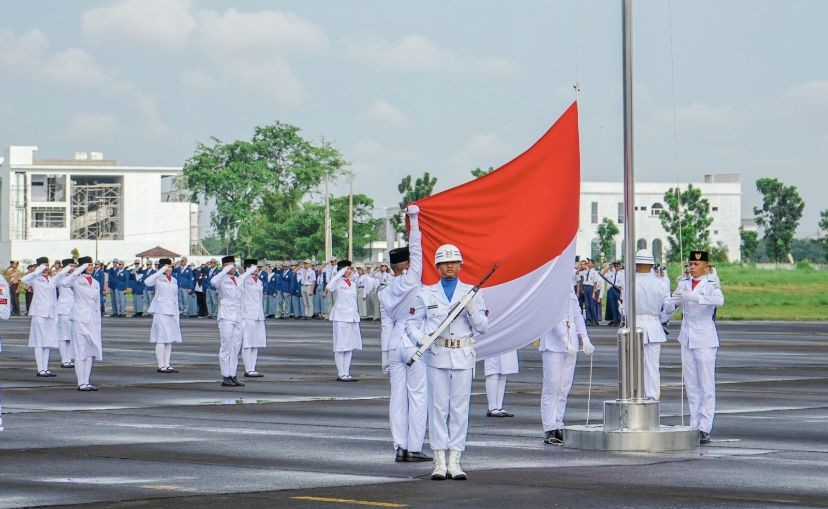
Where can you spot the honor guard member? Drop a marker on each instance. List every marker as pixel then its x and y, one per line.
pixel 252 317
pixel 698 297
pixel 43 335
pixel 66 300
pixel 229 320
pixel 212 295
pixel 407 408
pixel 6 309
pixel 166 328
pixel 449 360
pixel 307 277
pixel 86 321
pixel 345 318
pixel 651 297
pixel 496 369
pixel 559 351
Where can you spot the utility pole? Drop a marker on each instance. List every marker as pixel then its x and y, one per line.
pixel 328 239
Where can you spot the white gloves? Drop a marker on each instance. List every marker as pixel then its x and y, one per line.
pixel 82 268
pixel 587 344
pixel 412 210
pixel 65 269
pixel 230 267
pixel 471 308
pixel 689 297
pixel 163 269
pixel 251 269
pixel 386 365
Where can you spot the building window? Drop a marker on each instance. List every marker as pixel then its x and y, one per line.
pixel 174 189
pixel 657 250
pixel 715 209
pixel 643 207
pixel 595 212
pixel 641 244
pixel 97 208
pixel 48 188
pixel 620 212
pixel 656 209
pixel 48 217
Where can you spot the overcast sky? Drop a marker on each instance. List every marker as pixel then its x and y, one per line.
pixel 443 86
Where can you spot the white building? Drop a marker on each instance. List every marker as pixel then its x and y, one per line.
pixel 601 200
pixel 48 207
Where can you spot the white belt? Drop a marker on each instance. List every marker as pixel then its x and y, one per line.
pixel 648 318
pixel 454 343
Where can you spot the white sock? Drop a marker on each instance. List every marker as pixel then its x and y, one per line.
pixel 87 369
pixel 46 358
pixel 346 361
pixel 79 371
pixel 83 370
pixel 167 354
pixel 491 391
pixel 249 356
pixel 63 346
pixel 339 359
pixel 38 352
pixel 501 391
pixel 159 354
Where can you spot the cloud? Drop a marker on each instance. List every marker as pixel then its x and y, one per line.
pixel 414 53
pixel 481 151
pixel 28 56
pixel 387 115
pixel 161 24
pixel 251 50
pixel 87 127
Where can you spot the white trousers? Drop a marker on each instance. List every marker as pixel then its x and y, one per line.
pixel 163 351
pixel 65 351
pixel 83 370
pixel 495 390
pixel 343 362
pixel 652 375
pixel 558 373
pixel 250 356
pixel 699 366
pixel 231 340
pixel 449 392
pixel 407 408
pixel 41 358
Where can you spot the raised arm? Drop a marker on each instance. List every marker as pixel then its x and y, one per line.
pixel 69 279
pixel 31 276
pixel 247 273
pixel 151 279
pixel 415 246
pixel 335 279
pixel 219 278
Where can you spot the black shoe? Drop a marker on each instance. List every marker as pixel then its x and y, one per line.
pixel 236 382
pixel 704 438
pixel 170 369
pixel 253 374
pixel 495 413
pixel 46 374
pixel 417 456
pixel 401 454
pixel 161 370
pixel 92 388
pixel 227 382
pixel 553 437
pixel 506 414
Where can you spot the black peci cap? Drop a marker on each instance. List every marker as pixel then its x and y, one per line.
pixel 164 261
pixel 84 259
pixel 228 259
pixel 342 264
pixel 250 261
pixel 698 256
pixel 42 260
pixel 399 255
pixel 67 261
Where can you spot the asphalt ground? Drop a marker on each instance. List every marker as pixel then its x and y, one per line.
pixel 297 438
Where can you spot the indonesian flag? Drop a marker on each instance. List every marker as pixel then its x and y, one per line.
pixel 524 217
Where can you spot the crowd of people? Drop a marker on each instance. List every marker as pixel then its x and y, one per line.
pixel 68 301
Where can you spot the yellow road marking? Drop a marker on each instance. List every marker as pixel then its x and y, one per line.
pixel 350 501
pixel 166 487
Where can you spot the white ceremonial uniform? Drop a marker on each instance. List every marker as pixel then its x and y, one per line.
pixel 345 318
pixel 229 319
pixel 559 351
pixel 5 308
pixel 252 314
pixel 44 311
pixel 66 300
pixel 651 296
pixel 407 408
pixel 450 366
pixel 86 316
pixel 164 308
pixel 699 343
pixel 496 369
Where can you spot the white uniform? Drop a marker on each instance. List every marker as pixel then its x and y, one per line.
pixel 651 296
pixel 699 342
pixel 496 368
pixel 43 334
pixel 164 308
pixel 66 299
pixel 86 322
pixel 449 368
pixel 345 317
pixel 5 305
pixel 559 351
pixel 254 335
pixel 229 319
pixel 407 408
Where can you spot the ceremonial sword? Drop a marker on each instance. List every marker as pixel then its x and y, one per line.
pixel 454 312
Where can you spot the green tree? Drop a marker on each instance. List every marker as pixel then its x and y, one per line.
pixel 411 192
pixel 276 165
pixel 779 216
pixel 823 232
pixel 719 253
pixel 477 172
pixel 607 231
pixel 686 219
pixel 750 240
pixel 75 253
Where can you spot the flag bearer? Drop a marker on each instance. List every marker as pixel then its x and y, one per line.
pixel 43 335
pixel 166 328
pixel 66 300
pixel 86 321
pixel 252 317
pixel 229 320
pixel 345 318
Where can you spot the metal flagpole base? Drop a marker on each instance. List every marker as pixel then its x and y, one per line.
pixel 631 425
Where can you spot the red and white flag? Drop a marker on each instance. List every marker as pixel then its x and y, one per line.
pixel 523 216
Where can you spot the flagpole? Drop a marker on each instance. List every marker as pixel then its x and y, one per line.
pixel 328 239
pixel 350 215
